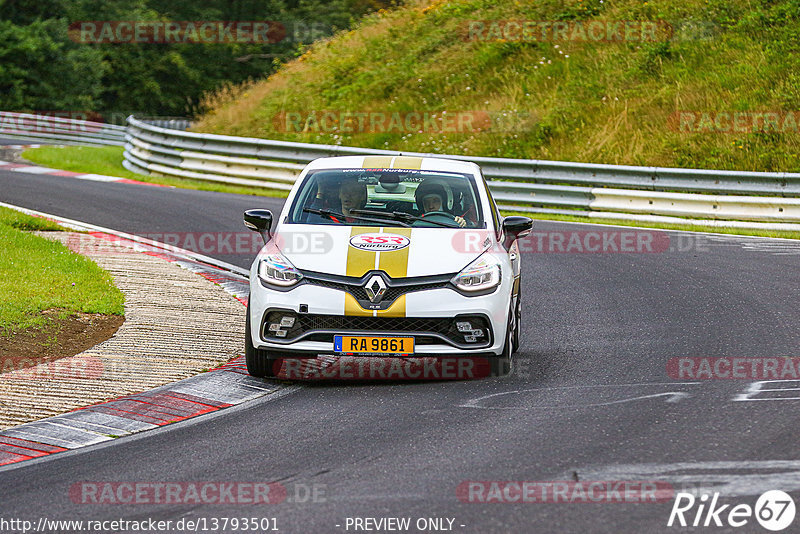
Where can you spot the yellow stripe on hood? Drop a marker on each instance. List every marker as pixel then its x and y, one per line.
pixel 392 262
pixel 359 262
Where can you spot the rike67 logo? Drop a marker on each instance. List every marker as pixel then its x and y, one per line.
pixel 774 510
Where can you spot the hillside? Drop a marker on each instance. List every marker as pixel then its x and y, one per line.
pixel 686 83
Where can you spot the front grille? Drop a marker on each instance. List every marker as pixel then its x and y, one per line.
pixel 392 292
pixel 429 330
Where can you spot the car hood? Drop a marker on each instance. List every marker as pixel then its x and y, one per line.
pixel 400 252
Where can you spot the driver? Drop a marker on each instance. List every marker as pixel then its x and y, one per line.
pixel 431 198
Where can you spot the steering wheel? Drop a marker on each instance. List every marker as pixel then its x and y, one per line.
pixel 439 213
pixel 449 216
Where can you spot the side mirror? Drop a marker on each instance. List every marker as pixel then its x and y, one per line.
pixel 515 227
pixel 259 221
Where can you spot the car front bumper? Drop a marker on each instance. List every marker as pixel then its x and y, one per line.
pixel 432 317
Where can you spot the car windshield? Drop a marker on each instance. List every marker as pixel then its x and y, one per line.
pixel 388 197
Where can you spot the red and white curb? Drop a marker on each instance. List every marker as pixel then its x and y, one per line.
pixel 22 147
pixel 36 169
pixel 220 388
pixel 205 393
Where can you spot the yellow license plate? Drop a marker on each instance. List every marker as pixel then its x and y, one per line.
pixel 373 345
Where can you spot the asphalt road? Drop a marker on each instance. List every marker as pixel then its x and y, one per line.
pixel 589 399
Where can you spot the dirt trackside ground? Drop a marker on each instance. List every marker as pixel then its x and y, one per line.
pixel 53 302
pixel 177 324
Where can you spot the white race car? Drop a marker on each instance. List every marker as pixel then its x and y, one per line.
pixel 389 256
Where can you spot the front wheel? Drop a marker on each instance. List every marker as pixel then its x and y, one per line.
pixel 501 365
pixel 259 363
pixel 518 320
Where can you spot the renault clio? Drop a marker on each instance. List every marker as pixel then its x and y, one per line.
pixel 384 256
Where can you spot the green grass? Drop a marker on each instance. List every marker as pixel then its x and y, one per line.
pixel 27 223
pixel 37 274
pixel 594 102
pixel 662 226
pixel 108 161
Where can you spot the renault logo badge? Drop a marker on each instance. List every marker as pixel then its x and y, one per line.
pixel 375 289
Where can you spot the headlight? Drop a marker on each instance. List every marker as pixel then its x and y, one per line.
pixel 481 274
pixel 277 270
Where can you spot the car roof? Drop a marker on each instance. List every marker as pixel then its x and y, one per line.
pixel 394 162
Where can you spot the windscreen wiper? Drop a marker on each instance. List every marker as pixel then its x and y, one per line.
pixel 403 217
pixel 340 218
pixel 382 215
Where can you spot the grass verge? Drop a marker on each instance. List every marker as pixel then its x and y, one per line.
pixel 37 274
pixel 108 161
pixel 664 100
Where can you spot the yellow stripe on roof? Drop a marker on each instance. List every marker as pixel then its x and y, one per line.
pixel 377 162
pixel 406 162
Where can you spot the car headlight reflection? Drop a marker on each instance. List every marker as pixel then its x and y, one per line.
pixel 480 275
pixel 277 270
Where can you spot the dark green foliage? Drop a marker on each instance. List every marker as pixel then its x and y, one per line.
pixel 42 69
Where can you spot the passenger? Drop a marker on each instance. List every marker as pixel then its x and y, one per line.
pixel 327 198
pixel 353 196
pixel 327 194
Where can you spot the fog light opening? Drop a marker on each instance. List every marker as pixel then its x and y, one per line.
pixel 279 325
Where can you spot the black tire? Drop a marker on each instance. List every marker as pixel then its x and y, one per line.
pixel 518 320
pixel 259 363
pixel 501 365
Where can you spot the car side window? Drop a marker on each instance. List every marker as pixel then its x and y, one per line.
pixel 495 212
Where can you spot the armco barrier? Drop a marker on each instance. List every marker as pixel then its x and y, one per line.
pixel 70 131
pixel 525 185
pixel 160 146
pixel 27 127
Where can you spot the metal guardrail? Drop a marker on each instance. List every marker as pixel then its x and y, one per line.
pixel 172 123
pixel 524 185
pixel 27 127
pixel 160 146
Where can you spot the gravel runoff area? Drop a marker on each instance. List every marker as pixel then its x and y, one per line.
pixel 177 324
